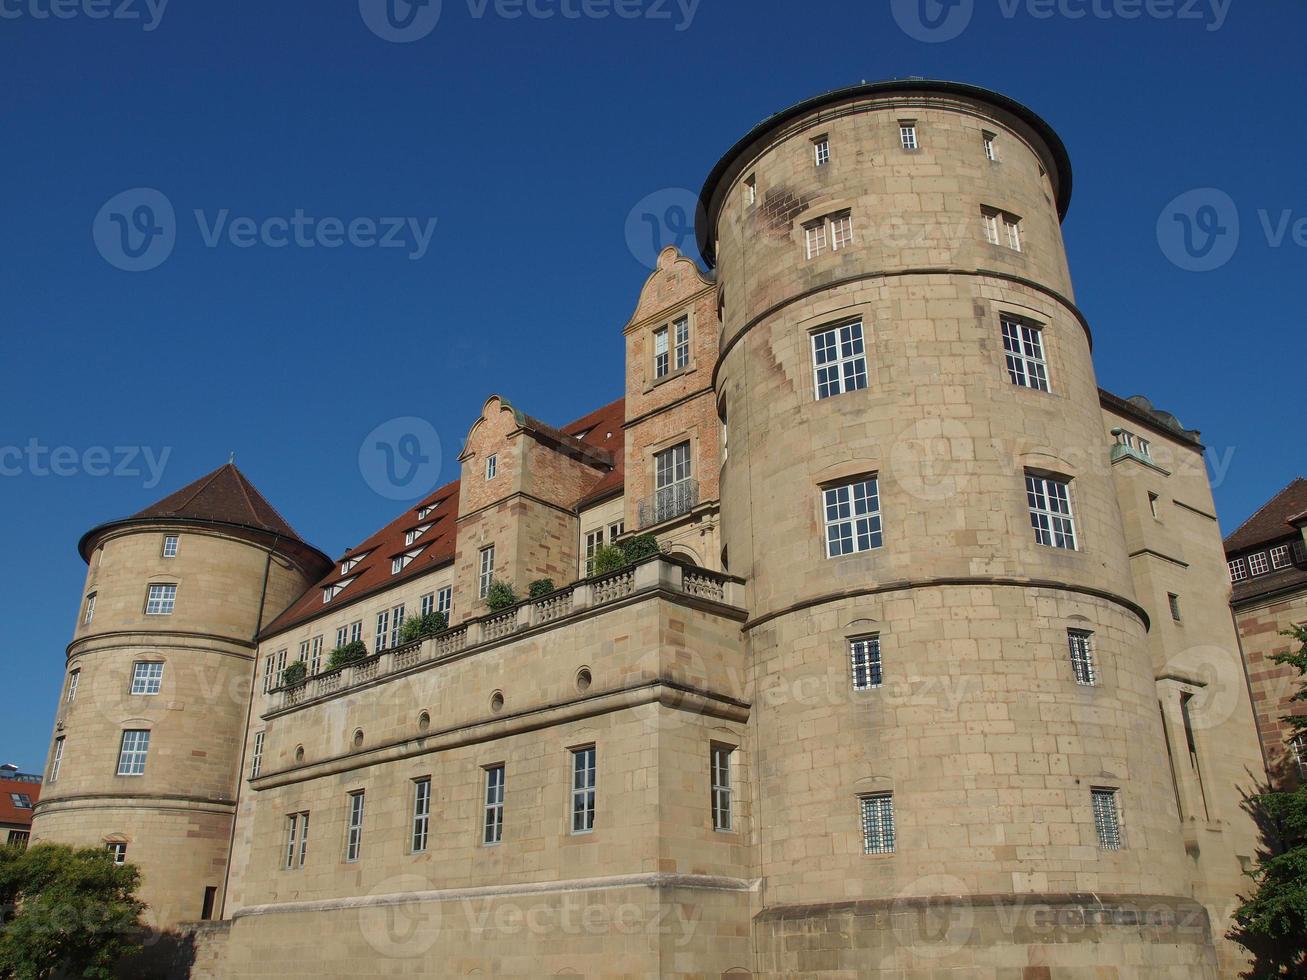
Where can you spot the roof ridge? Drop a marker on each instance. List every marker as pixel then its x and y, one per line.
pixel 1266 506
pixel 246 486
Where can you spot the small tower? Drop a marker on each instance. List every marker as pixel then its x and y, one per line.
pixel 149 731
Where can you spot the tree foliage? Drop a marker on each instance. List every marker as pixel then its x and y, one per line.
pixel 421 627
pixel 500 595
pixel 1272 924
pixel 66 911
pixel 540 588
pixel 346 655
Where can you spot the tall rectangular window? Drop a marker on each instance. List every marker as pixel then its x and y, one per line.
pixel 256 757
pixel 990 219
pixel 908 133
pixel 445 600
pixel 673 483
pixel 74 678
pixel 170 546
pixel 421 813
pixel 991 150
pixel 877 823
pixel 160 600
pixel 1174 601
pixel 383 630
pixel 354 827
pixel 720 764
pixel 839 360
pixel 821 151
pixel 616 530
pixel 751 190
pixel 662 360
pixel 1023 347
pixel 58 759
pixel 493 826
pixel 487 571
pixel 297 840
pixel 583 790
pixel 131 755
pixel 864 660
pixel 594 540
pixel 396 624
pixel 1298 746
pixel 90 609
pixel 315 656
pixel 147 677
pixel 1107 820
pixel 1049 500
pixel 1012 231
pixel 492 466
pixel 269 665
pixel 841 231
pixel 681 347
pixel 428 602
pixel 356 631
pixel 1082 656
pixel 815 238
pixel 852 517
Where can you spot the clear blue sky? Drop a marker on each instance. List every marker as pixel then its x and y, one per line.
pixel 530 141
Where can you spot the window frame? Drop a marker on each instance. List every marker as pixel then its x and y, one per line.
pixel 74 678
pixel 847 367
pixel 486 570
pixel 149 680
pixel 1108 827
pixel 1024 353
pixel 119 851
pixel 584 797
pixel 171 543
pixel 681 343
pixel 1259 564
pixel 166 601
pixel 1278 552
pixel 492 466
pixel 1060 524
pixel 872 515
pixel 662 356
pixel 420 839
pixel 821 150
pixel 1080 647
pixel 57 760
pixel 990 141
pixel 1238 570
pixel 132 759
pixel 721 786
pixel 357 801
pixel 877 824
pixel 89 613
pixel 866 667
pixel 256 754
pixel 492 805
pixel 908 137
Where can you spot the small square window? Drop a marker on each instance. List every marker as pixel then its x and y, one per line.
pixel 877 823
pixel 170 546
pixel 119 852
pixel 1259 564
pixel 1238 571
pixel 160 600
pixel 1281 557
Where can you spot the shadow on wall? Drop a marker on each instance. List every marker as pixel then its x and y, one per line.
pixel 192 950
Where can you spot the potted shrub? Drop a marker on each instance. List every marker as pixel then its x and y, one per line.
pixel 500 596
pixel 639 547
pixel 609 559
pixel 421 627
pixel 346 655
pixel 541 587
pixel 294 674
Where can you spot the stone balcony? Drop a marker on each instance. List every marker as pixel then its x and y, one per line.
pixel 655 575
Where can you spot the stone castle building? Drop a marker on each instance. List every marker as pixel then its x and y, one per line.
pixel 933 671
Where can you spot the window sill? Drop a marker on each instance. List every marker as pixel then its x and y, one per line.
pixel 670 376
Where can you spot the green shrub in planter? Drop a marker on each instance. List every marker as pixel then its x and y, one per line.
pixel 294 674
pixel 500 596
pixel 346 655
pixel 639 547
pixel 609 559
pixel 420 627
pixel 541 587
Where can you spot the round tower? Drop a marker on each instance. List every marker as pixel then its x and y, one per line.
pixel 150 727
pixel 918 495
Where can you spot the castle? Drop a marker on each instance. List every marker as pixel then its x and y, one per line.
pixel 934 669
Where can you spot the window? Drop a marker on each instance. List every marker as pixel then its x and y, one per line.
pixel 681 349
pixel 720 764
pixel 852 518
pixel 354 829
pixel 1023 346
pixel 1107 821
pixel 74 677
pixel 487 573
pixel 991 225
pixel 160 600
pixel 821 150
pixel 1258 563
pixel 839 360
pixel 304 653
pixel 991 151
pixel 445 600
pixel 315 656
pixel 279 668
pixel 1010 234
pixel 1050 511
pixel 1082 656
pixel 1152 505
pixel 1012 230
pixel 841 232
pixel 616 530
pixel 864 659
pixel 815 238
pixel 421 813
pixel 424 512
pixel 58 759
pixel 19 838
pixel 428 602
pixel 256 759
pixel 383 630
pixel 1280 557
pixel 594 540
pixel 583 790
pixel 674 490
pixel 348 564
pixel 908 133
pixel 494 809
pixel 662 364
pixel 170 546
pixel 401 562
pixel 21 800
pixel 131 756
pixel 90 609
pixel 147 678
pixel 297 840
pixel 1238 571
pixel 1298 746
pixel 877 823
pixel 834 231
pixel 751 189
pixel 119 852
pixel 1174 601
pixel 492 466
pixel 396 624
pixel 269 665
pixel 415 533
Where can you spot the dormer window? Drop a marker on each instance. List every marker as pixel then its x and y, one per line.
pixel 425 512
pixel 401 562
pixel 416 533
pixel 331 591
pixel 492 466
pixel 348 564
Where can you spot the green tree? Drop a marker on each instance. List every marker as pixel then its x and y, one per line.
pixel 1272 924
pixel 66 911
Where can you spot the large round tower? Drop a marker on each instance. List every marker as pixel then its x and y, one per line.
pixel 960 759
pixel 151 720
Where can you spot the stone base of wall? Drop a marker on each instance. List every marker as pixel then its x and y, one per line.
pixel 990 937
pixel 191 951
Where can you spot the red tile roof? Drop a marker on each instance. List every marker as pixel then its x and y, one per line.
pixel 601 429
pixel 1273 521
pixel 10 813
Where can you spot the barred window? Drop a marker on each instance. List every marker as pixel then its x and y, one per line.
pixel 1023 346
pixel 852 515
pixel 131 755
pixel 720 763
pixel 877 823
pixel 1082 656
pixel 1050 511
pixel 494 807
pixel 839 360
pixel 1107 821
pixel 583 790
pixel 421 813
pixel 160 600
pixel 864 658
pixel 147 678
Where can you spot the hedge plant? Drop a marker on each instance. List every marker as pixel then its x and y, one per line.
pixel 500 595
pixel 346 655
pixel 421 627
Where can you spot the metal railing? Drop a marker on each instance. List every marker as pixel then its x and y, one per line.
pixel 669 502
